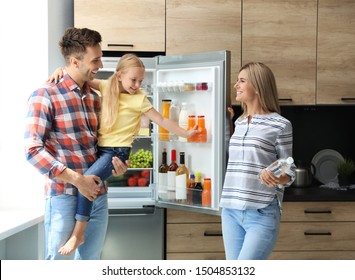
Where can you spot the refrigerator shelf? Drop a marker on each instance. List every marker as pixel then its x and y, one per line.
pixel 141 168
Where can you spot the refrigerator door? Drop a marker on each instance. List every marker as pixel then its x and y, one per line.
pixel 202 82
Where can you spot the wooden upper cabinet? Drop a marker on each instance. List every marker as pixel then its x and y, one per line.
pixel 204 25
pixel 125 25
pixel 336 52
pixel 282 34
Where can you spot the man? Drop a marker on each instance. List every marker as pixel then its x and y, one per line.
pixel 60 141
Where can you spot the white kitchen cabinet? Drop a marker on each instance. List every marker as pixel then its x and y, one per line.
pixel 125 25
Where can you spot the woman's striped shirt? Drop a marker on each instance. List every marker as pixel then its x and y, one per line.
pixel 252 147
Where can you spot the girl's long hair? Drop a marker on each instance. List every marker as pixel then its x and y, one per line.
pixel 110 100
pixel 263 80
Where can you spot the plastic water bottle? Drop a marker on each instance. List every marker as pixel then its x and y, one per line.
pixel 280 166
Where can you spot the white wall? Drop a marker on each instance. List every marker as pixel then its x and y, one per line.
pixel 30 31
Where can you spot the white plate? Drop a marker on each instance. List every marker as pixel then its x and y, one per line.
pixel 326 162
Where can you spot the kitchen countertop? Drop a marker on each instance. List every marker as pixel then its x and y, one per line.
pixel 14 221
pixel 317 193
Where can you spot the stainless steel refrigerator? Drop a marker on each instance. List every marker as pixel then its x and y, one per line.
pixel 201 80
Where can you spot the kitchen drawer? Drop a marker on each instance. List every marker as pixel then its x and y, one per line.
pixel 195 256
pixel 194 238
pixel 313 255
pixel 318 211
pixel 322 236
pixel 178 216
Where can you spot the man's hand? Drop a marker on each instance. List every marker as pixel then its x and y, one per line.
pixel 120 167
pixel 88 186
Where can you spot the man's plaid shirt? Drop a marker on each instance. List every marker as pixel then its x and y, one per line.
pixel 61 131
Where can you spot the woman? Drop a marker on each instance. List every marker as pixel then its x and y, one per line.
pixel 251 197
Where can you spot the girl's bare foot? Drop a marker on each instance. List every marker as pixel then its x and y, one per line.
pixel 70 246
pixel 75 240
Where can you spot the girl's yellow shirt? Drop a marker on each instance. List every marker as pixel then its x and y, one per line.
pixel 131 107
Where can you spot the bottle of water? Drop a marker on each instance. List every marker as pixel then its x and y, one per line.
pixel 280 166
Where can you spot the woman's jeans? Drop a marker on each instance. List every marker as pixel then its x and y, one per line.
pixel 250 234
pixel 59 223
pixel 102 167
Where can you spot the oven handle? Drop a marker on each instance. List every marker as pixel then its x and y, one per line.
pixel 145 210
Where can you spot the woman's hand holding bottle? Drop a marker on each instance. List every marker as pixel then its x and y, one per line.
pixel 271 180
pixel 275 173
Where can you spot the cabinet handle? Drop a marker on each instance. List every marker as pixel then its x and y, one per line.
pixel 146 210
pixel 212 233
pixel 120 45
pixel 347 99
pixel 285 99
pixel 317 233
pixel 317 211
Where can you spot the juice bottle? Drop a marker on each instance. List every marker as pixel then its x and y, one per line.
pixel 206 193
pixel 163 133
pixel 190 125
pixel 202 135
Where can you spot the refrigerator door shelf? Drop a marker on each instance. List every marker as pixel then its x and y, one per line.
pixel 182 87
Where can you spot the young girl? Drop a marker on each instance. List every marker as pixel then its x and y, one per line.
pixel 252 208
pixel 123 103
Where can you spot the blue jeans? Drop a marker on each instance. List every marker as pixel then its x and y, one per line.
pixel 102 167
pixel 59 223
pixel 250 234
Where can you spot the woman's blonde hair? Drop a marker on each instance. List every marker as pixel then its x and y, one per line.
pixel 263 80
pixel 110 100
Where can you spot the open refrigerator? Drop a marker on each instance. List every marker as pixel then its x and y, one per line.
pixel 201 80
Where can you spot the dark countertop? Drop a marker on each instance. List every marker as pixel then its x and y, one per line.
pixel 316 193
